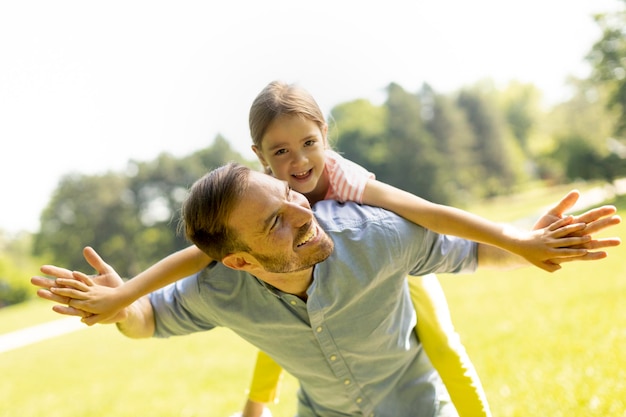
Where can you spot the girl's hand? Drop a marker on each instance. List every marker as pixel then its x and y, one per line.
pixel 95 299
pixel 558 235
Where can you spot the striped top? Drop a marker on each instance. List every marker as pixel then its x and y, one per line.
pixel 347 179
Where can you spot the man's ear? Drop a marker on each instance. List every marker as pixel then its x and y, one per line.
pixel 239 261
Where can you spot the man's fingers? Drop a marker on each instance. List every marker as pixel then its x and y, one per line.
pixel 549 266
pixel 601 224
pixel 95 260
pixel 91 320
pixel 55 271
pixel 608 242
pixel 77 295
pixel 70 311
pixel 590 256
pixel 595 214
pixel 42 282
pixel 565 204
pixel 48 295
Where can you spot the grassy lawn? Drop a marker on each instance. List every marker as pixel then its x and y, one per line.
pixel 544 345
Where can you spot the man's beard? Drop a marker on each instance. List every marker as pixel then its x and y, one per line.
pixel 283 264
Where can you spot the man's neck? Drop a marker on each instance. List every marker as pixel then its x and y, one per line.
pixel 295 283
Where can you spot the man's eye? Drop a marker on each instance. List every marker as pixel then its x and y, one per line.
pixel 275 223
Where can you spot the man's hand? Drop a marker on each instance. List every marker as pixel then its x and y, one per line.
pixel 71 288
pixel 596 220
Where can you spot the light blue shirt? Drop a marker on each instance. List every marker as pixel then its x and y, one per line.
pixel 352 345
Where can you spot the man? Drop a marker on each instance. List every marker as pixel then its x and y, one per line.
pixel 323 293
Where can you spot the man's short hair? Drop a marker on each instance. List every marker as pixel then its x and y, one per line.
pixel 207 209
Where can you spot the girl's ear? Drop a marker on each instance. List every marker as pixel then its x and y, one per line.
pixel 259 155
pixel 325 135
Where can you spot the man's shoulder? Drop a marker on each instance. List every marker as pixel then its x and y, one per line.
pixel 333 215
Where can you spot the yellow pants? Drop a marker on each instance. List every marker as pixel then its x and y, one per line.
pixel 265 380
pixel 440 342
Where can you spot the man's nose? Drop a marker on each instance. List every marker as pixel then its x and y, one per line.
pixel 299 214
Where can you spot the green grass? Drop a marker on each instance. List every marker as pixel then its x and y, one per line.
pixel 547 344
pixel 544 345
pixel 28 313
pixel 96 372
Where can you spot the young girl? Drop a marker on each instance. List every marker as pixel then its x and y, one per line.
pixel 289 133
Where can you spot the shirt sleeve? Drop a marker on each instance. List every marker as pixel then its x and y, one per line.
pixel 347 180
pixel 176 308
pixel 390 244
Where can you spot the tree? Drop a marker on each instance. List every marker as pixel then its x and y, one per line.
pixel 358 133
pixel 86 210
pixel 520 104
pixel 415 165
pixel 581 129
pixel 608 59
pixel 132 217
pixel 496 154
pixel 15 265
pixel 454 140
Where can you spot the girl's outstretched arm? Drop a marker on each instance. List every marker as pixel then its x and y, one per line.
pixel 104 303
pixel 539 247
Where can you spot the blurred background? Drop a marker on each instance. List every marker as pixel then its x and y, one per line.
pixel 109 111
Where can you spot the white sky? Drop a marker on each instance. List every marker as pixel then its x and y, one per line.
pixel 87 85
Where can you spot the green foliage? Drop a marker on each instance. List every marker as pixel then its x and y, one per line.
pixel 16 266
pixel 543 344
pixel 453 149
pixel 12 289
pixel 608 58
pixel 456 143
pixel 415 165
pixel 130 217
pixel 520 104
pixel 490 146
pixel 580 159
pixel 359 132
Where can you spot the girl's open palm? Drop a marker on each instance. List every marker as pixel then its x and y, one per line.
pixel 94 299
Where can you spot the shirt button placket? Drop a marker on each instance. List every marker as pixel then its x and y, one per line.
pixel 340 368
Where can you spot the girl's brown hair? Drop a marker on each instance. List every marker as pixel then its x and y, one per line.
pixel 279 98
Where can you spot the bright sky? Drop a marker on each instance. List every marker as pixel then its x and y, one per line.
pixel 87 85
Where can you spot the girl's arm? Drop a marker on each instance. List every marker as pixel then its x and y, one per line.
pixel 104 302
pixel 538 247
pixel 136 320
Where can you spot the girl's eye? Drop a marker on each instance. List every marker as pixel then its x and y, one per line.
pixel 310 142
pixel 280 152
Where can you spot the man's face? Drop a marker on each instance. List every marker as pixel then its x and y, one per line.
pixel 279 227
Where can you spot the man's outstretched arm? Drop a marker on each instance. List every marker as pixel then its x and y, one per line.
pixel 595 220
pixel 136 320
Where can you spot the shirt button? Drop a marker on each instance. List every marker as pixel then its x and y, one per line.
pixel 346 382
pixel 319 329
pixel 293 302
pixel 333 358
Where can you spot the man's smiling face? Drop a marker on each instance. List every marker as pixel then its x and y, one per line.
pixel 278 226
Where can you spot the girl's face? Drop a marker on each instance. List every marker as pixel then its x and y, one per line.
pixel 293 148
